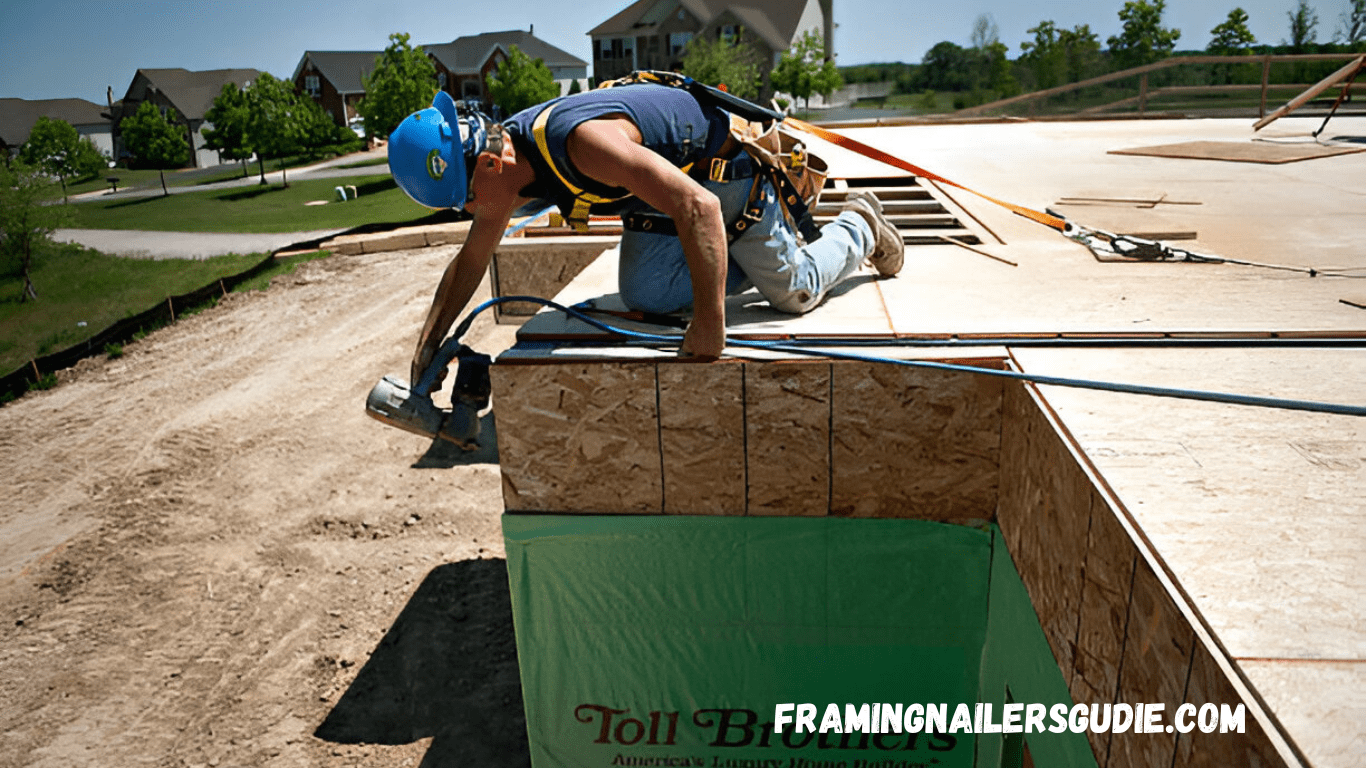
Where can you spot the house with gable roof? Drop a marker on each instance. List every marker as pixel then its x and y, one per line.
pixel 336 80
pixel 18 116
pixel 185 97
pixel 652 34
pixel 463 64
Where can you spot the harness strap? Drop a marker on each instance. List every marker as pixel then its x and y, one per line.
pixel 583 200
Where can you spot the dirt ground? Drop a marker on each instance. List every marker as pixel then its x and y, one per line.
pixel 210 556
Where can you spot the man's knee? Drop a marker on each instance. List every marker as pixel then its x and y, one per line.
pixel 795 302
pixel 646 298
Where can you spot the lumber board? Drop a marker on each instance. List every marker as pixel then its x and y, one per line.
pixel 1106 591
pixel 787 438
pixel 1209 685
pixel 578 438
pixel 1344 73
pixel 915 443
pixel 1158 646
pixel 702 437
pixel 1264 152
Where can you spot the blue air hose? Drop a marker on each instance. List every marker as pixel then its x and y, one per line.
pixel 452 345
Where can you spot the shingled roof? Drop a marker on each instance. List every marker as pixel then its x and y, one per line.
pixel 192 93
pixel 18 116
pixel 468 54
pixel 775 21
pixel 343 69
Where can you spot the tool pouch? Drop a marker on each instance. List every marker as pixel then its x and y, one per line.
pixel 797 175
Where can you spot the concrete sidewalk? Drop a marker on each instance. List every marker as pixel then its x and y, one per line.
pixel 183 245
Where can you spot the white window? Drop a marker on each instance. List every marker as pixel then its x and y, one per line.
pixel 730 33
pixel 678 41
pixel 313 85
pixel 441 80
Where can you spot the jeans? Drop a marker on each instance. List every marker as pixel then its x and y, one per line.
pixel 654 275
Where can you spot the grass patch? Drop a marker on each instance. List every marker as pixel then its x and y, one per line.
pixel 77 285
pixel 257 209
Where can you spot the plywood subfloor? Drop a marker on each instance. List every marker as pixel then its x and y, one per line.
pixel 1259 514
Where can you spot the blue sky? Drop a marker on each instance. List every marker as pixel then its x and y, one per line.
pixel 65 48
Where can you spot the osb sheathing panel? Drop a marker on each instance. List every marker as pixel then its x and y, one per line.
pixel 1107 584
pixel 1045 519
pixel 787 428
pixel 541 267
pixel 1017 486
pixel 702 435
pixel 1209 685
pixel 1158 645
pixel 578 438
pixel 910 442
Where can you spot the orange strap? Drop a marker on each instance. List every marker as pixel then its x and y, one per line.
pixel 853 145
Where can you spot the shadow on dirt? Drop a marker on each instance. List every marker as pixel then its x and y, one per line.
pixel 447 669
pixel 443 454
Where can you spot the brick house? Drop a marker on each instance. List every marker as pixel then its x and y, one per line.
pixel 463 64
pixel 652 34
pixel 183 95
pixel 336 80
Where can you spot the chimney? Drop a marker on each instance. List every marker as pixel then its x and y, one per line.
pixel 532 31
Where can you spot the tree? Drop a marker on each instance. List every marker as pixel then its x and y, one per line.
pixel 1044 55
pixel 275 124
pixel 1232 37
pixel 721 62
pixel 1303 20
pixel 804 69
pixel 1353 29
pixel 56 148
pixel 26 222
pixel 320 134
pixel 946 67
pixel 1143 39
pixel 227 120
pixel 575 87
pixel 403 82
pixel 521 82
pixel 1081 50
pixel 154 140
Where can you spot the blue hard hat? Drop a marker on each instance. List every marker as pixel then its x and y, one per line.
pixel 432 152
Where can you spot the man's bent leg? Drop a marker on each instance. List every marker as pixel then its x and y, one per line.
pixel 795 278
pixel 653 275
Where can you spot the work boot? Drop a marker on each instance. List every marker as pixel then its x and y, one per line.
pixel 889 251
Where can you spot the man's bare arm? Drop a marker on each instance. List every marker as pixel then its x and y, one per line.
pixel 610 151
pixel 458 284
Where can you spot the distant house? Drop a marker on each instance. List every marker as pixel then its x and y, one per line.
pixel 651 34
pixel 463 64
pixel 336 80
pixel 18 116
pixel 188 95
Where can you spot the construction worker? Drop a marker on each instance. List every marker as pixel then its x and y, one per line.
pixel 623 150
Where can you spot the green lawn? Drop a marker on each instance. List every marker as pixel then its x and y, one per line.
pixel 76 285
pixel 256 209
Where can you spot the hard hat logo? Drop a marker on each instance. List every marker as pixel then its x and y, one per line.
pixel 436 164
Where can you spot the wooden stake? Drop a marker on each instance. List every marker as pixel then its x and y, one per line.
pixel 978 251
pixel 171 307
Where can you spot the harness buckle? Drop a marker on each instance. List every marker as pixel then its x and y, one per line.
pixel 718 169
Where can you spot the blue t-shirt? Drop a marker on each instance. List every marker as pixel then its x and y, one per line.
pixel 670 120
